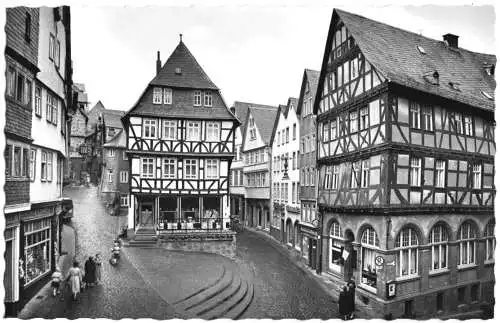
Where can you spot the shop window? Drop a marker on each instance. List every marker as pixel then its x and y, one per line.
pixel 489 235
pixel 369 247
pixel 407 243
pixel 37 249
pixel 212 214
pixel 297 235
pixel 289 232
pixel 190 210
pixel 168 212
pixel 336 247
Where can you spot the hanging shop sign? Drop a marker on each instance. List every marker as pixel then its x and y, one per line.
pixel 391 290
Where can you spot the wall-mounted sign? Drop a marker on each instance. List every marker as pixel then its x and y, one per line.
pixel 391 290
pixel 379 260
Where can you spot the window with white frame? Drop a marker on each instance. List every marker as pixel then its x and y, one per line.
pixel 110 175
pixel 407 245
pixel 336 178
pixel 38 101
pixel 336 247
pixel 467 244
pixel 207 99
pixel 353 122
pixel 365 173
pixel 427 118
pixel 32 164
pixel 415 115
pixel 111 152
pixel 369 247
pixel 212 169
pixel 468 129
pixel 328 178
pixel 333 129
pixel 190 169
pixel 169 129
pixel 439 247
pixel 123 176
pixel 147 167
pixel 50 158
pixel 167 95
pixel 43 170
pixel 157 95
pixel 124 200
pixel 213 131
pixel 169 165
pixel 365 123
pixel 326 133
pixel 355 175
pixel 415 171
pixel 48 108
pixel 197 98
pixel 193 131
pixel 440 173
pixel 457 120
pixel 489 235
pixel 294 134
pixel 476 176
pixel 149 128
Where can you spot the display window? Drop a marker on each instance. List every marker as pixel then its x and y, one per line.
pixel 336 248
pixel 37 235
pixel 369 247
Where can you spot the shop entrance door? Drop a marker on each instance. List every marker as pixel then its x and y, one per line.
pixel 8 279
pixel 312 253
pixel 146 215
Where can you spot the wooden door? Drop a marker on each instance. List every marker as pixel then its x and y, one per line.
pixel 146 215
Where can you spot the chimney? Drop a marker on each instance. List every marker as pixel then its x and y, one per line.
pixel 451 40
pixel 158 64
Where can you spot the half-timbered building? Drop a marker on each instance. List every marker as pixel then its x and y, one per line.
pixel 285 175
pixel 180 145
pixel 257 140
pixel 406 162
pixel 309 223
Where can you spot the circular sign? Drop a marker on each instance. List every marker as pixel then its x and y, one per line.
pixel 379 261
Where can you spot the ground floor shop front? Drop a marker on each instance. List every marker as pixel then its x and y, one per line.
pixel 32 245
pixel 170 213
pixel 415 266
pixel 257 213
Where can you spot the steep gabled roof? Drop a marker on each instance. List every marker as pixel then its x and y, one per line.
pixel 292 103
pixel 112 118
pixel 118 141
pixel 192 75
pixel 394 54
pixel 94 114
pixel 241 110
pixel 264 117
pixel 311 77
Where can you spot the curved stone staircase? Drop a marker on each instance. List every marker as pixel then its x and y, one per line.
pixel 228 297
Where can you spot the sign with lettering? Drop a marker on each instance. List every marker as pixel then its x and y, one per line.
pixel 379 260
pixel 391 290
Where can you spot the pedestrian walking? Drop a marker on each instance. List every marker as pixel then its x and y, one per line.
pixel 75 279
pixel 89 277
pixel 351 292
pixel 98 268
pixel 56 281
pixel 344 303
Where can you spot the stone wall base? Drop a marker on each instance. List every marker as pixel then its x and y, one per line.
pixel 224 248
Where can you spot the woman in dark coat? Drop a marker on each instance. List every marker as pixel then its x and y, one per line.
pixel 351 295
pixel 343 303
pixel 90 269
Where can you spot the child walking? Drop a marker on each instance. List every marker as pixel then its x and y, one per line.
pixel 56 281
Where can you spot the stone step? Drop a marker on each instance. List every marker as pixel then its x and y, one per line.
pixel 230 303
pixel 206 293
pixel 143 237
pixel 141 243
pixel 226 296
pixel 240 308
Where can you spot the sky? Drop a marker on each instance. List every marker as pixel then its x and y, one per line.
pixel 253 53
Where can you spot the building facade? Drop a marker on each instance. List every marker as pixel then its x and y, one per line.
pixel 180 145
pixel 256 150
pixel 406 163
pixel 285 175
pixel 309 223
pixel 38 97
pixel 238 189
pixel 94 139
pixel 79 123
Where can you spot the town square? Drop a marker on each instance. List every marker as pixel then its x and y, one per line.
pixel 178 162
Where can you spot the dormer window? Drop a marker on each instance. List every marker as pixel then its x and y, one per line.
pixel 167 96
pixel 454 86
pixel 157 95
pixel 197 98
pixel 208 99
pixel 421 50
pixel 487 95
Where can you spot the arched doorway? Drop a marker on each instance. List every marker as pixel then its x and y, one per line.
pixel 289 232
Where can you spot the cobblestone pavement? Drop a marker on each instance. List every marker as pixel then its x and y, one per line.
pixel 123 293
pixel 281 289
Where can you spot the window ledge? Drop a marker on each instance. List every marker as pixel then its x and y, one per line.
pixel 438 272
pixel 489 262
pixel 407 278
pixel 466 267
pixel 368 288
